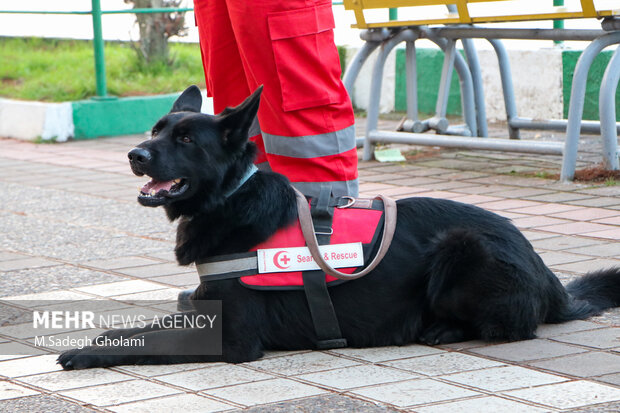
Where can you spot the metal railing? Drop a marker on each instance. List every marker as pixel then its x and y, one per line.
pixel 98 42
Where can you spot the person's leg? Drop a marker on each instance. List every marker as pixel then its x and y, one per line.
pixel 224 73
pixel 306 115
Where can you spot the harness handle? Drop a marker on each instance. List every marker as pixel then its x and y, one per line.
pixel 307 228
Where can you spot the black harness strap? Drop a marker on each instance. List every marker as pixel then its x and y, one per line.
pixel 315 287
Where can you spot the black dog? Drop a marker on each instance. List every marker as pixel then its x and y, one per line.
pixel 453 271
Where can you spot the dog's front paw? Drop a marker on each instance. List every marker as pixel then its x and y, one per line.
pixel 440 333
pixel 83 358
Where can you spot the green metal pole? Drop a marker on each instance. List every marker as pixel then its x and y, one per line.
pixel 393 14
pixel 558 24
pixel 102 91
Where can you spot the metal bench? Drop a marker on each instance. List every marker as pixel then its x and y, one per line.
pixel 459 24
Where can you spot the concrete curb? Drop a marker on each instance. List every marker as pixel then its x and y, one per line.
pixel 84 119
pixel 36 120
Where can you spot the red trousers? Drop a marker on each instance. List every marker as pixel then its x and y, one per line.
pixel 305 120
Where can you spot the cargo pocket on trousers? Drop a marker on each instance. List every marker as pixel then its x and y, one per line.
pixel 306 57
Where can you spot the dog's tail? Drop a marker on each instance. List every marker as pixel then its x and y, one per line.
pixel 591 294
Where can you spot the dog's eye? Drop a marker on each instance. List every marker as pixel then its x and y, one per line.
pixel 186 139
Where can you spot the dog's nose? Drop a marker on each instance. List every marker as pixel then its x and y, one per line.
pixel 139 156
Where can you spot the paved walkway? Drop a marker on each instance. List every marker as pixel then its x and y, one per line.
pixel 70 228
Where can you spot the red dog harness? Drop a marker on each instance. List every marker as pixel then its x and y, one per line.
pixel 338 223
pixel 349 225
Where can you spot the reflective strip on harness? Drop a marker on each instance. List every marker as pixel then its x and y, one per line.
pixel 228 266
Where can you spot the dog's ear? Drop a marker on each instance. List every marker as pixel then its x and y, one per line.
pixel 235 122
pixel 189 101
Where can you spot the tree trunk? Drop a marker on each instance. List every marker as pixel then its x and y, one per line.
pixel 156 28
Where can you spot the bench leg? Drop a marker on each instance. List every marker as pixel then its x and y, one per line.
pixel 412 89
pixel 607 111
pixel 375 86
pixel 507 87
pixel 467 88
pixel 577 95
pixel 353 70
pixel 476 76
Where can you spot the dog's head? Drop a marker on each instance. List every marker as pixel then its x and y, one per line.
pixel 193 158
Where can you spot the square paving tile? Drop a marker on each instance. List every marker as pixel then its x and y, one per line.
pixel 120 262
pixel 611 220
pixel 188 403
pixel 358 376
pixel 564 242
pixel 35 280
pixel 527 350
pixel 560 197
pixel 122 287
pixel 587 266
pixel 554 330
pixel 481 405
pixel 29 365
pixel 377 354
pixel 587 214
pixel 536 235
pixel 61 295
pixel 537 221
pixel 546 209
pixel 300 363
pixel 444 363
pixel 583 365
pixel 166 294
pixel 212 377
pixel 555 258
pixel 600 250
pixel 41 403
pixel 414 392
pixel 609 378
pixel 12 391
pixel 568 395
pixel 505 204
pixel 65 380
pixel 8 256
pixel 179 280
pixel 266 391
pixel 612 234
pixel 161 369
pixel 602 338
pixel 576 228
pixel 503 378
pixel 117 393
pixel 156 270
pixel 24 263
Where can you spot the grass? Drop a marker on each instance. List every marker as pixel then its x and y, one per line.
pixel 54 70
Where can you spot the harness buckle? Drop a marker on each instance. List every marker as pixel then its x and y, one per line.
pixel 350 203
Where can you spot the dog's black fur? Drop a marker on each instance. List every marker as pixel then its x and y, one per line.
pixel 453 272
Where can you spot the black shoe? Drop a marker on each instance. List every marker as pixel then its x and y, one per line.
pixel 184 301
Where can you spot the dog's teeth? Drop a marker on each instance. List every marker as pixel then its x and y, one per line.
pixel 176 181
pixel 152 192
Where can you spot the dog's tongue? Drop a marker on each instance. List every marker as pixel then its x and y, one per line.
pixel 154 186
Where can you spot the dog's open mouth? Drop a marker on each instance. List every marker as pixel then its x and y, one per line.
pixel 155 192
